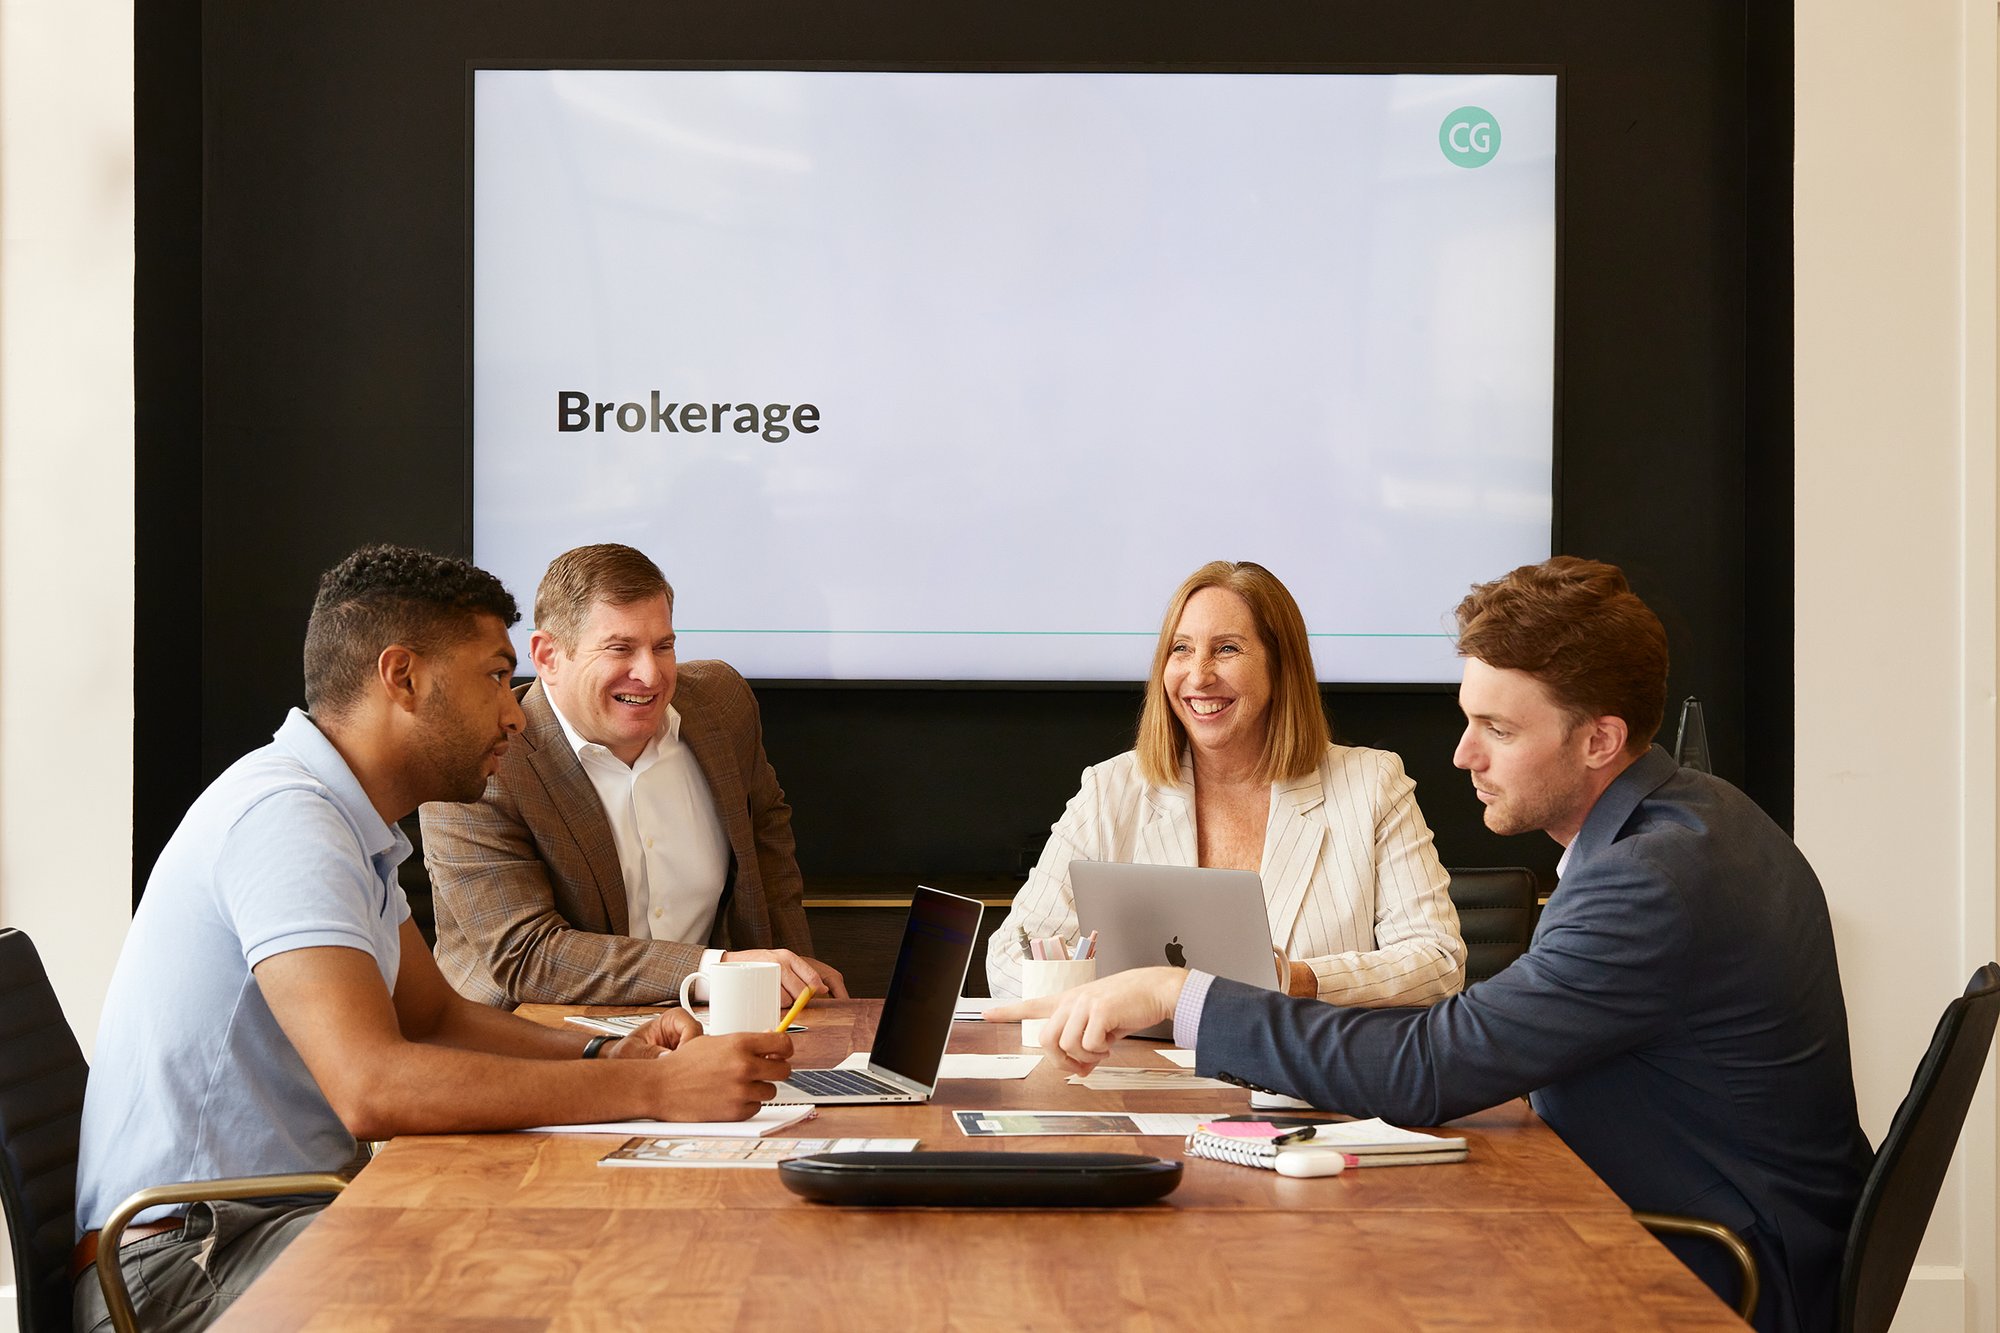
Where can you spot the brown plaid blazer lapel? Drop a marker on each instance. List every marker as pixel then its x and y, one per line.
pixel 566 795
pixel 530 897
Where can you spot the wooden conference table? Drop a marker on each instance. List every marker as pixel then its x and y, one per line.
pixel 526 1232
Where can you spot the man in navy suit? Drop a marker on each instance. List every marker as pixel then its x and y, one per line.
pixel 1678 1018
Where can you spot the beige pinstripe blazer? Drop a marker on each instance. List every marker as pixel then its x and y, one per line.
pixel 529 894
pixel 1352 884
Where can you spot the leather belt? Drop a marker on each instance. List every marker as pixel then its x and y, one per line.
pixel 85 1253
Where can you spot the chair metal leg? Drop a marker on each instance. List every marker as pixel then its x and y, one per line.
pixel 1673 1224
pixel 111 1277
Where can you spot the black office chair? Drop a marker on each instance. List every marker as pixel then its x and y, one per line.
pixel 42 1074
pixel 1902 1186
pixel 41 1106
pixel 1496 916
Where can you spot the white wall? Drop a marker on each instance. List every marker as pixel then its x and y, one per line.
pixel 66 548
pixel 1895 505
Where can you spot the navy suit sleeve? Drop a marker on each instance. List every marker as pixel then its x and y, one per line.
pixel 1601 978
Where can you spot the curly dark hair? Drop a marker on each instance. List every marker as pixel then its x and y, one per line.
pixel 1577 627
pixel 391 594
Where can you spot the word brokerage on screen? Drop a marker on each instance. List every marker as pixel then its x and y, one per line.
pixel 575 412
pixel 1048 341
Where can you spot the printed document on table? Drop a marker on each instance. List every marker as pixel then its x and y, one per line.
pixel 766 1120
pixel 645 1151
pixel 990 1124
pixel 1124 1078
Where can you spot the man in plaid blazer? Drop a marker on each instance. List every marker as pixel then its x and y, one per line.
pixel 634 831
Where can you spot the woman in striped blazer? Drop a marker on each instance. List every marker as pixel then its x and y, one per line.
pixel 1235 768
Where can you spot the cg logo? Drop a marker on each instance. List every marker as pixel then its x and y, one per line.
pixel 1469 137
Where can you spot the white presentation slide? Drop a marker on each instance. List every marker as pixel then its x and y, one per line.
pixel 956 376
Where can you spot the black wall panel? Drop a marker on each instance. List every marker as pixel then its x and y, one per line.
pixel 327 192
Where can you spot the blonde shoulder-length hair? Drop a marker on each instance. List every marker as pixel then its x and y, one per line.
pixel 1296 733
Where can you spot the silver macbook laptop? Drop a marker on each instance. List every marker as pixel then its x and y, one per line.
pixel 916 1014
pixel 1179 916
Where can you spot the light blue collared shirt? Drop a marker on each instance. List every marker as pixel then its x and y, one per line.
pixel 193 1079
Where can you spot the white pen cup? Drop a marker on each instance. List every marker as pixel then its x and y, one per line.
pixel 1050 976
pixel 742 997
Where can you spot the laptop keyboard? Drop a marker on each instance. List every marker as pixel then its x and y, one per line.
pixel 840 1083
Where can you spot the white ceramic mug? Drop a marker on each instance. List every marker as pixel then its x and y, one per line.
pixel 1050 976
pixel 742 997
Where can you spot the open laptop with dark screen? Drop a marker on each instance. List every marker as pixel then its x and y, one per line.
pixel 930 972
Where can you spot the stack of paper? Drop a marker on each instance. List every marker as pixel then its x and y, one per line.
pixel 624 1025
pixel 612 1025
pixel 1373 1143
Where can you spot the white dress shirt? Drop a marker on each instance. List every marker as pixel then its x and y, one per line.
pixel 672 849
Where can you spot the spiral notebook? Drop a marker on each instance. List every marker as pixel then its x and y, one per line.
pixel 1259 1140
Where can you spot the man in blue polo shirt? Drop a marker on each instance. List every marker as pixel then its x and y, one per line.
pixel 1678 1018
pixel 274 1003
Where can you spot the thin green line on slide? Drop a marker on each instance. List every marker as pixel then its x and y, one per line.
pixel 1027 633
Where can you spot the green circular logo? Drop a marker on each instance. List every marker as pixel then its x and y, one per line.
pixel 1469 137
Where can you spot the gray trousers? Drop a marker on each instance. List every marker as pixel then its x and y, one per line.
pixel 183 1280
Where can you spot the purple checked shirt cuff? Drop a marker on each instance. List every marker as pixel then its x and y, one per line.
pixel 1187 1013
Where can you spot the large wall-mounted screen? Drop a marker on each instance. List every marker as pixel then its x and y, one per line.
pixel 955 375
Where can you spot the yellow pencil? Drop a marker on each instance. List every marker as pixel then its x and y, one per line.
pixel 797 1005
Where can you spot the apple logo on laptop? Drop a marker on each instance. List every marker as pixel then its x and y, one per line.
pixel 1176 956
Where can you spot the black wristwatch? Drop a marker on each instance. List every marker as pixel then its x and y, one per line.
pixel 593 1046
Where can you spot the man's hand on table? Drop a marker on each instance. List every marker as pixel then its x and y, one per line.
pixel 709 1078
pixel 723 1078
pixel 1080 1024
pixel 795 972
pixel 665 1033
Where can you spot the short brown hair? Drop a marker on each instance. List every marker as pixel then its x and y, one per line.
pixel 1576 626
pixel 579 579
pixel 1295 732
